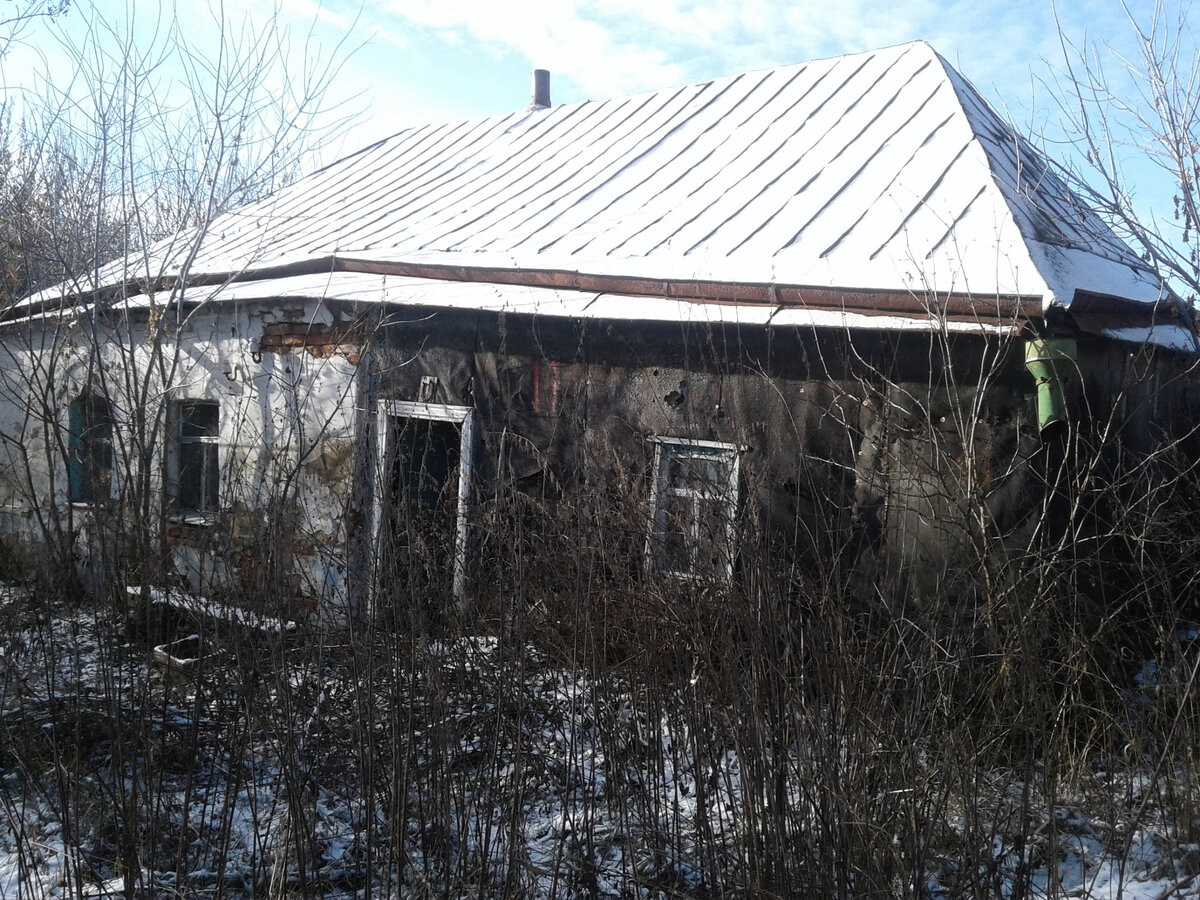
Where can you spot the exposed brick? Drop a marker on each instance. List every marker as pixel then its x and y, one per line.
pixel 318 340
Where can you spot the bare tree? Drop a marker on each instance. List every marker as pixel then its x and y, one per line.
pixel 780 732
pixel 14 20
pixel 113 173
pixel 116 158
pixel 158 126
pixel 1134 116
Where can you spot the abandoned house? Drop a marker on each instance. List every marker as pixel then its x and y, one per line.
pixel 829 314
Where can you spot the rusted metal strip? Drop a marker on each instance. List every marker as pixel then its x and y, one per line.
pixel 1002 308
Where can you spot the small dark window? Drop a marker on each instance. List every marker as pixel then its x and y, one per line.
pixel 198 478
pixel 89 449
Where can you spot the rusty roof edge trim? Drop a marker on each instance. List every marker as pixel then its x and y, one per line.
pixel 109 294
pixel 995 307
pixel 1004 307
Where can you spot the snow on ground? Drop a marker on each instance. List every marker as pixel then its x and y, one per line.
pixel 482 777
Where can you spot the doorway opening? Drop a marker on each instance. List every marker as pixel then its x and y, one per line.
pixel 424 484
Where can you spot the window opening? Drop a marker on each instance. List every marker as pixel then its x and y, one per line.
pixel 694 507
pixel 199 477
pixel 89 449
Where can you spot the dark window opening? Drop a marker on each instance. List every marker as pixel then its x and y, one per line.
pixel 89 449
pixel 198 479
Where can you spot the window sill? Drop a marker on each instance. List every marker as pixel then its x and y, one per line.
pixel 90 504
pixel 193 518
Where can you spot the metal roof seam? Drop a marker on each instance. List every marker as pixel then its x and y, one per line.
pixel 871 208
pixel 949 233
pixel 779 146
pixel 923 201
pixel 792 165
pixel 817 170
pixel 564 181
pixel 684 166
pixel 846 183
pixel 528 164
pixel 701 182
pixel 513 200
pixel 647 148
pixel 498 160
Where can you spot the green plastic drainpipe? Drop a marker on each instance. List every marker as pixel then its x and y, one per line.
pixel 1050 361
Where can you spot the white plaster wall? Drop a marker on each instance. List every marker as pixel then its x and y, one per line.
pixel 287 426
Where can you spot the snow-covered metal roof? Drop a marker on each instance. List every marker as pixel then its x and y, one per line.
pixel 881 171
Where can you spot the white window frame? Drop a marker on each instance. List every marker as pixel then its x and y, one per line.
pixel 667 449
pixel 464 417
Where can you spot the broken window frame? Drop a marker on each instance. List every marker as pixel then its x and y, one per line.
pixel 196 488
pixel 89 449
pixel 721 490
pixel 464 417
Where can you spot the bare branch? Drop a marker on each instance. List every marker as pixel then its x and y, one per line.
pixel 1138 124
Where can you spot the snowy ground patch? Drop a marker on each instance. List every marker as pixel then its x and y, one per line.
pixel 476 767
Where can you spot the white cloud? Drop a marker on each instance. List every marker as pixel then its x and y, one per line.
pixel 566 37
pixel 611 47
pixel 312 11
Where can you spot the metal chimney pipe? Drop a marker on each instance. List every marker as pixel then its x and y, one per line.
pixel 541 89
